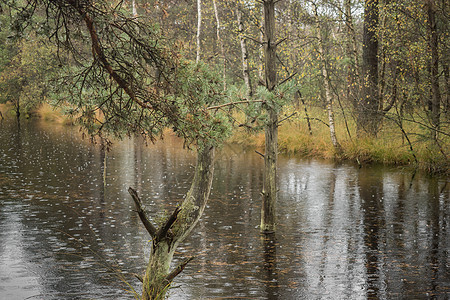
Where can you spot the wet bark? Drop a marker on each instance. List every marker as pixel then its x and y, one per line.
pixel 368 117
pixel 268 216
pixel 176 228
pixel 352 53
pixel 435 103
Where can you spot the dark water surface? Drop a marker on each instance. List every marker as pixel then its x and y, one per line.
pixel 68 229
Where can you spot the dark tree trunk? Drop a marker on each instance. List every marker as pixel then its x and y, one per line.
pixel 368 114
pixel 17 104
pixel 435 105
pixel 352 53
pixel 269 192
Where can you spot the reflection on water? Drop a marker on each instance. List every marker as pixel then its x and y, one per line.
pixel 68 229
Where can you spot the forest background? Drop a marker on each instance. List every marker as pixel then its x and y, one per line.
pixel 387 104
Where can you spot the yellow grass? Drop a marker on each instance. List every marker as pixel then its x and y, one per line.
pixel 390 147
pixel 51 114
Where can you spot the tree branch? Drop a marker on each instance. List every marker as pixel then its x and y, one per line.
pixel 317 119
pixel 142 214
pixel 164 229
pixel 287 117
pixel 234 103
pixel 280 41
pixel 254 40
pixel 287 79
pixel 98 51
pixel 178 269
pixel 263 156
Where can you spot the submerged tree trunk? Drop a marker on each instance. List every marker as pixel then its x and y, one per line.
pixel 368 116
pixel 176 228
pixel 268 216
pixel 245 64
pixel 326 84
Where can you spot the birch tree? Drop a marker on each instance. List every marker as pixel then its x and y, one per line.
pixel 326 80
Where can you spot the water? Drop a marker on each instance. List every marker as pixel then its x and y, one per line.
pixel 68 229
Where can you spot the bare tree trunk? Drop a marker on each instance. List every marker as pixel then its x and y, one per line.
pixel 199 28
pixel 245 64
pixel 368 115
pixel 261 49
pixel 435 105
pixel 176 228
pixel 352 53
pixel 445 62
pixel 133 8
pixel 447 89
pixel 268 215
pixel 326 83
pixel 222 50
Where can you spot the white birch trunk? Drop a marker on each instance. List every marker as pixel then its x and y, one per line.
pixel 245 64
pixel 199 28
pixel 222 50
pixel 326 83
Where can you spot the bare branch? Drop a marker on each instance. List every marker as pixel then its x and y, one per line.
pixel 234 103
pixel 164 229
pixel 280 41
pixel 178 269
pixel 260 153
pixel 142 214
pixel 252 39
pixel 287 79
pixel 323 122
pixel 287 117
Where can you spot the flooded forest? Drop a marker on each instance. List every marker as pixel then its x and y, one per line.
pixel 224 149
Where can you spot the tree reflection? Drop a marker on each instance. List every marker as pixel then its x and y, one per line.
pixel 371 194
pixel 270 266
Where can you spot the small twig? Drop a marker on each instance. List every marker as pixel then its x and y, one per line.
pixel 260 154
pixel 280 41
pixel 317 119
pixel 287 117
pixel 234 103
pixel 287 79
pixel 255 40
